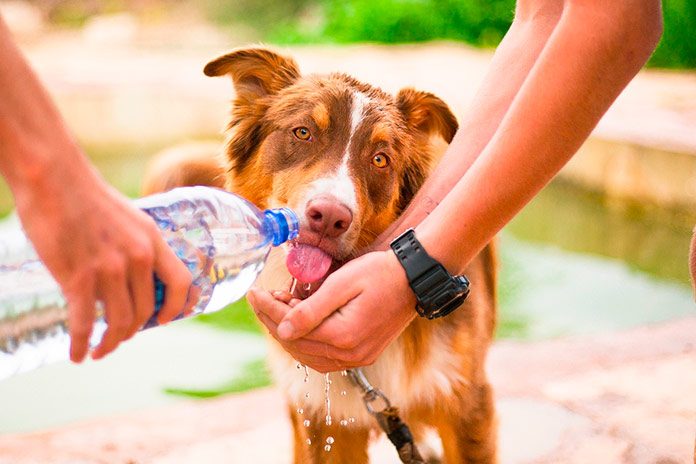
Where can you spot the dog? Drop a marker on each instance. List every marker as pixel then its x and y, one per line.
pixel 348 158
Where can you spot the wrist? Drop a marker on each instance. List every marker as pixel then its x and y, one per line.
pixel 41 171
pixel 437 292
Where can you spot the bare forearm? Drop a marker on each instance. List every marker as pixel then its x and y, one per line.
pixel 509 67
pixel 592 54
pixel 31 129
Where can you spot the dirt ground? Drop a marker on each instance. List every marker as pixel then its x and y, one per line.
pixel 623 398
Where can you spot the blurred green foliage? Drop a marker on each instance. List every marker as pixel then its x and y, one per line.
pixel 254 375
pixel 236 317
pixel 677 49
pixel 478 22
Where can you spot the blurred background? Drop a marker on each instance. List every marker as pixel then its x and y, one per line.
pixel 603 248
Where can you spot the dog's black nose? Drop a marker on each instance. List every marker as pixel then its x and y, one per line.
pixel 328 217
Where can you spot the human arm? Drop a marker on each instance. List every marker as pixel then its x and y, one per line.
pixel 97 246
pixel 589 56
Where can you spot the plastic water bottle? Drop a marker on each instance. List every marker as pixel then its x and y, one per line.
pixel 223 239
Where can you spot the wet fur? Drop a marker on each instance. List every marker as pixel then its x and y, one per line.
pixel 435 370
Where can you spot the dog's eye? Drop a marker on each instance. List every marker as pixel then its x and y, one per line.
pixel 380 160
pixel 302 133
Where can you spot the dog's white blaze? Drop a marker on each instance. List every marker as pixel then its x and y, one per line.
pixel 338 185
pixel 357 114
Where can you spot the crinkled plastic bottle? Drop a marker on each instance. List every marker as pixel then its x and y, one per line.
pixel 223 239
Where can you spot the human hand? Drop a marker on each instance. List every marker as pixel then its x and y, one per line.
pixel 357 312
pixel 99 247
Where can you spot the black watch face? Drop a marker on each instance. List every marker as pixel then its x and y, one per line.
pixel 449 297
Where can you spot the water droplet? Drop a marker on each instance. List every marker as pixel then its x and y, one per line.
pixel 330 440
pixel 343 422
pixel 300 411
pixel 306 395
pixel 327 390
pixel 307 287
pixel 351 420
pixel 344 393
pixel 299 366
pixel 306 373
pixel 327 448
pixel 309 442
pixel 306 423
pixel 344 373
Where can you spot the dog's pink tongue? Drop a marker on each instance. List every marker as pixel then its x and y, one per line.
pixel 307 263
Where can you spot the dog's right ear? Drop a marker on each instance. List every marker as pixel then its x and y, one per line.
pixel 255 72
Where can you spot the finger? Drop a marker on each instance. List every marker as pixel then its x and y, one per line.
pixel 263 302
pixel 304 352
pixel 118 310
pixel 194 294
pixel 177 281
pixel 142 290
pixel 307 355
pixel 309 313
pixel 270 325
pixel 81 315
pixel 282 295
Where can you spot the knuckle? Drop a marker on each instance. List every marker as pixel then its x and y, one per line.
pixel 142 254
pixel 322 369
pixel 122 323
pixel 347 341
pixel 298 316
pixel 150 227
pixel 370 356
pixel 183 280
pixel 113 267
pixel 352 357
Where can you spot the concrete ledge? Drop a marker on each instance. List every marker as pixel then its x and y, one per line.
pixel 641 174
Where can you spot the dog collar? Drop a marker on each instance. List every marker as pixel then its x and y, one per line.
pixel 438 293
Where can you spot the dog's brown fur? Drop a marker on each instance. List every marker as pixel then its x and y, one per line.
pixel 270 168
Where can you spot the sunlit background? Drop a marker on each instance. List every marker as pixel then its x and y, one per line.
pixel 603 248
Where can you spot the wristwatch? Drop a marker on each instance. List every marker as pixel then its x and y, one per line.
pixel 438 293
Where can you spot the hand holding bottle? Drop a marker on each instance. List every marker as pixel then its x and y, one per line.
pixel 99 247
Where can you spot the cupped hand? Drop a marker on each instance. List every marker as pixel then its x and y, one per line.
pixel 357 312
pixel 99 247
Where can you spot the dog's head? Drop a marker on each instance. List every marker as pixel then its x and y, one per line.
pixel 346 156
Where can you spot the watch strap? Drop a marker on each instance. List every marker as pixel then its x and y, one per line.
pixel 413 258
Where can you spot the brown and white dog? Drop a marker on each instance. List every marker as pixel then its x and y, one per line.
pixel 348 158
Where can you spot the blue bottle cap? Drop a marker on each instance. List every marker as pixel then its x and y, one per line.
pixel 284 224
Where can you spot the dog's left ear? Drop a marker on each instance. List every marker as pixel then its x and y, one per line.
pixel 255 72
pixel 426 114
